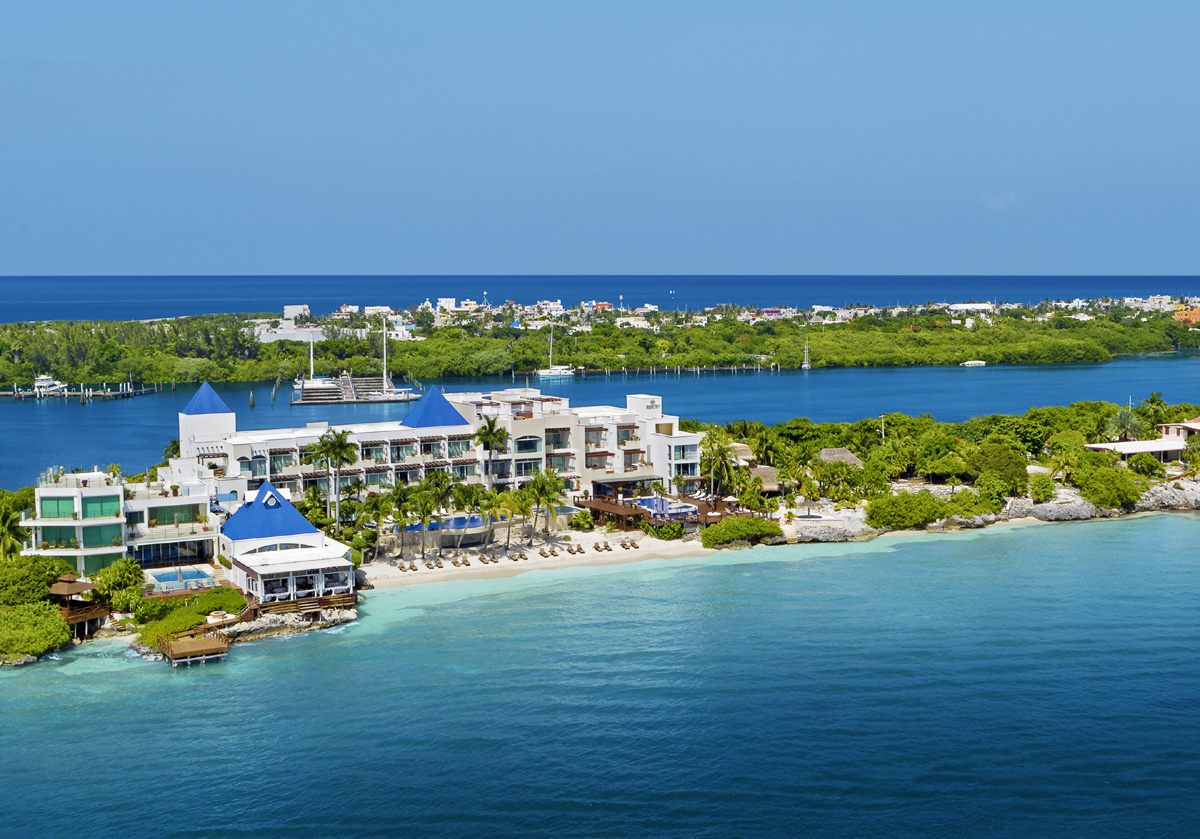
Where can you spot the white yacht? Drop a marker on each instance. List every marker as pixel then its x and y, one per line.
pixel 45 384
pixel 554 371
pixel 973 363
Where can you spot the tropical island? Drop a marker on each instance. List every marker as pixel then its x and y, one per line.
pixel 424 342
pixel 464 490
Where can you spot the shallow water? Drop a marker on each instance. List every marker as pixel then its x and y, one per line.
pixel 1035 680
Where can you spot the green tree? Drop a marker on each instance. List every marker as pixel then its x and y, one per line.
pixel 1125 425
pixel 12 534
pixel 493 437
pixel 1041 488
pixel 335 450
pixel 1148 465
pixel 32 629
pixel 1109 486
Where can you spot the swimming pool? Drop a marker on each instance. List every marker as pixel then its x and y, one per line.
pixel 661 506
pixel 455 523
pixel 172 579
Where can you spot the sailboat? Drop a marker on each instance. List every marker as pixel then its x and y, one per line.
pixel 554 371
pixel 806 365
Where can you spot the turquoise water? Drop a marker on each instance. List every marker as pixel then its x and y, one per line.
pixel 1029 681
pixel 132 432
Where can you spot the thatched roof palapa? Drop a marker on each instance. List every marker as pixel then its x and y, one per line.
pixel 839 455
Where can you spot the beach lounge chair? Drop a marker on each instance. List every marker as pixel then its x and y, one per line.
pixel 455 562
pixel 553 552
pixel 607 546
pixel 466 560
pixel 543 552
pixel 633 544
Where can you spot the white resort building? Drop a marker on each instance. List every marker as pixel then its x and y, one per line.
pixel 597 449
pixel 92 519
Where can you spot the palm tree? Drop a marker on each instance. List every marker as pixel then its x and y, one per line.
pixel 376 508
pixel 546 491
pixel 492 436
pixel 1126 425
pixel 765 446
pixel 491 505
pixel 1154 407
pixel 12 535
pixel 336 450
pixel 425 510
pixel 467 498
pixel 400 497
pixel 516 504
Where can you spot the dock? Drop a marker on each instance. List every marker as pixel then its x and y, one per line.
pixel 348 389
pixel 208 645
pixel 83 394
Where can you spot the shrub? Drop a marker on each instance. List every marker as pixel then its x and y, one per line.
pixel 27 579
pixel 582 521
pixel 224 560
pixel 32 629
pixel 730 529
pixel 122 574
pixel 669 530
pixel 126 599
pixel 1147 464
pixel 1041 488
pixel 992 487
pixel 905 509
pixel 1109 486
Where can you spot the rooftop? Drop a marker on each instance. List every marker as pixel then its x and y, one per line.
pixel 206 401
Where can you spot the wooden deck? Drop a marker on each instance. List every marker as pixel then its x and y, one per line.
pixel 212 645
pixel 309 604
pixel 73 615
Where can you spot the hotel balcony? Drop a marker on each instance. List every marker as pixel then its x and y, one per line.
pixel 171 532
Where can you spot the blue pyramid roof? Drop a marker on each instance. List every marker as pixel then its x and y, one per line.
pixel 206 401
pixel 433 410
pixel 268 515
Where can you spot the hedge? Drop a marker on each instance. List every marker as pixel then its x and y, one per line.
pixel 731 529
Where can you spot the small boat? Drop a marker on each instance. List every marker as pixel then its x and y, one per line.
pixel 974 363
pixel 806 365
pixel 45 384
pixel 554 371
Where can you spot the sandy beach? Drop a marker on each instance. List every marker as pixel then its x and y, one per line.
pixel 386 575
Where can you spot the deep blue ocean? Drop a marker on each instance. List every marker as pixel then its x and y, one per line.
pixel 137 298
pixel 1018 682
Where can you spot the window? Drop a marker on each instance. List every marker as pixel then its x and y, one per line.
pixel 103 506
pixel 687 470
pixel 399 452
pixel 528 445
pixel 433 447
pixel 556 440
pixel 59 537
pixel 459 447
pixel 561 463
pixel 92 564
pixel 179 514
pixel 135 517
pixel 527 467
pixel 683 452
pixel 279 462
pixel 374 453
pixel 99 536
pixel 57 508
pixel 624 435
pixel 464 471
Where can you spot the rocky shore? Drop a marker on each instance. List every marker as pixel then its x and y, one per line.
pixel 829 524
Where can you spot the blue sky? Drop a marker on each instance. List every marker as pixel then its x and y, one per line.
pixel 599 137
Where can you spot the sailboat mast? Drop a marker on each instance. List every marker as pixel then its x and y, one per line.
pixel 311 369
pixel 385 375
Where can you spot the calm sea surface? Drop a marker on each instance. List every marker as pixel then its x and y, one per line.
pixel 1035 681
pixel 37 435
pixel 135 298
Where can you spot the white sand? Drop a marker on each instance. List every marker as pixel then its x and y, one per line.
pixel 383 575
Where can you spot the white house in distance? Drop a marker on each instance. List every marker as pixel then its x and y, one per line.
pixel 279 557
pixel 1170 446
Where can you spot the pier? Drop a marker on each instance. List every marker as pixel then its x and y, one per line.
pixel 82 393
pixel 348 389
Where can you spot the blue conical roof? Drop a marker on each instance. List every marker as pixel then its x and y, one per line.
pixel 433 410
pixel 267 516
pixel 206 401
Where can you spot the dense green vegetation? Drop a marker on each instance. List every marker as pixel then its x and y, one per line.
pixel 223 347
pixel 738 529
pixel 32 629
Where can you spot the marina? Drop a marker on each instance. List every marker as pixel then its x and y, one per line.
pixel 82 393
